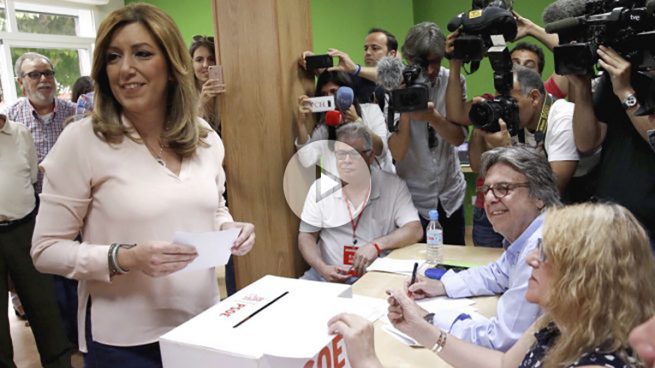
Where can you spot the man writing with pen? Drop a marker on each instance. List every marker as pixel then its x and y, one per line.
pixel 519 185
pixel 345 228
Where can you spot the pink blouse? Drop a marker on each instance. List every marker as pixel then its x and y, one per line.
pixel 120 194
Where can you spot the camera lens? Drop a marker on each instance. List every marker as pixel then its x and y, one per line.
pixel 484 115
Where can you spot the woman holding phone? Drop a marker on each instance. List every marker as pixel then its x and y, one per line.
pixel 208 77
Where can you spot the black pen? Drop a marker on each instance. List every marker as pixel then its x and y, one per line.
pixel 414 273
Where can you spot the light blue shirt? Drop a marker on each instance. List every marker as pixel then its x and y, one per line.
pixel 508 276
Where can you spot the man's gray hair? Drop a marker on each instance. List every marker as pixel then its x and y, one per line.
pixel 423 40
pixel 528 80
pixel 29 56
pixel 532 164
pixel 355 131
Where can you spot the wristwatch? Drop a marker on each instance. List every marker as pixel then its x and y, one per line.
pixel 429 318
pixel 630 101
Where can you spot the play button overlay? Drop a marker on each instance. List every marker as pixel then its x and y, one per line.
pixel 314 183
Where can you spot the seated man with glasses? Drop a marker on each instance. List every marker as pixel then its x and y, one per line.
pixel 518 186
pixel 356 214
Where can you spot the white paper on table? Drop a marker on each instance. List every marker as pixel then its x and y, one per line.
pixel 401 266
pixel 213 247
pixel 446 311
pixel 408 340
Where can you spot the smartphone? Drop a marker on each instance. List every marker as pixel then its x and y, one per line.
pixel 322 104
pixel 318 61
pixel 216 72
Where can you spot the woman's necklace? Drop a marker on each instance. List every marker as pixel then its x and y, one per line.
pixel 158 156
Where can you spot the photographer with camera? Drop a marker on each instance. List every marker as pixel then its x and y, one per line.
pixel 424 143
pixel 543 123
pixel 616 119
pixel 328 84
pixel 378 44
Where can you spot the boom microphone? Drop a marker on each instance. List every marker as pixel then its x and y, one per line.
pixel 344 98
pixel 563 25
pixel 390 72
pixel 562 9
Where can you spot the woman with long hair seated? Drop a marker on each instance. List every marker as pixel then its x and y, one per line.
pixel 593 276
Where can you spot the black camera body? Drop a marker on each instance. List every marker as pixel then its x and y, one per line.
pixel 485 114
pixel 478 25
pixel 628 26
pixel 416 94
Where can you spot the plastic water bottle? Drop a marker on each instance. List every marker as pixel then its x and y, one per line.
pixel 434 238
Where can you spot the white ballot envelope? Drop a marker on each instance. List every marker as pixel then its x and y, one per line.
pixel 213 247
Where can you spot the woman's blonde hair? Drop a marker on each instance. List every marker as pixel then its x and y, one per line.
pixel 603 279
pixel 182 133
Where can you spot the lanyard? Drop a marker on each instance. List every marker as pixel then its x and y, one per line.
pixel 354 223
pixel 542 125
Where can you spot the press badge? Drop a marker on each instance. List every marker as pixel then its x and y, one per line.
pixel 349 257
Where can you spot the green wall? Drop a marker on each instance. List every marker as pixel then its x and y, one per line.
pixel 193 17
pixel 343 24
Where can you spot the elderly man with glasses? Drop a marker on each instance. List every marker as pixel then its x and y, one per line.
pixel 344 231
pixel 518 185
pixel 40 111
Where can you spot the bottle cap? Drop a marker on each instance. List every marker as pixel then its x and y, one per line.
pixel 434 215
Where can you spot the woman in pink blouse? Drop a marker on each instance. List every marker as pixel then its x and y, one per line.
pixel 140 168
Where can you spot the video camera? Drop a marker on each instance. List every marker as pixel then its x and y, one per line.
pixel 484 20
pixel 628 26
pixel 415 95
pixel 484 31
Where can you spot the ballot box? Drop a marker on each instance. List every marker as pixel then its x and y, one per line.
pixel 274 322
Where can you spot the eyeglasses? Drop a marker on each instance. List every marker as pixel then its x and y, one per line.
pixel 36 75
pixel 500 190
pixel 540 250
pixel 341 154
pixel 198 38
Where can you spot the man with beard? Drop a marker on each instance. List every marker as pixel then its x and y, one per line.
pixel 40 111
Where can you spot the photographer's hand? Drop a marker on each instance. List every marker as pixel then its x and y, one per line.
pixel 500 138
pixel 618 69
pixel 450 48
pixel 350 115
pixel 345 62
pixel 304 114
pixel 526 27
pixel 303 63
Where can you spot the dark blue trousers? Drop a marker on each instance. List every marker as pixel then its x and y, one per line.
pixel 106 356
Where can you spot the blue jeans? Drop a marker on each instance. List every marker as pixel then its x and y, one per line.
pixel 108 356
pixel 483 233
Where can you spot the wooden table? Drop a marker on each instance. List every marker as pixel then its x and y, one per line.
pixel 394 353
